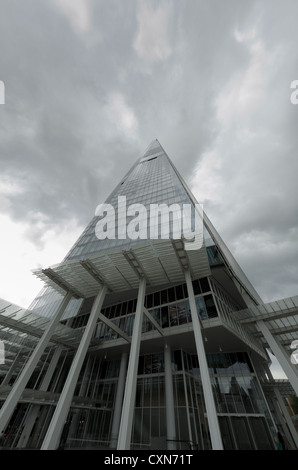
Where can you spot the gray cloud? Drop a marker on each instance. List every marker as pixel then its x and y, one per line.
pixel 89 86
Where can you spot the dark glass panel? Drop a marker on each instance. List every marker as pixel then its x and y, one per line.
pixel 149 301
pixel 242 434
pixel 156 299
pixel 164 316
pixel 164 296
pixel 173 314
pixel 177 360
pixel 196 287
pixel 226 433
pixel 129 307
pixel 261 434
pixel 171 293
pixel 210 306
pixel 201 309
pixel 204 284
pixel 124 308
pixel 179 292
pixel 141 365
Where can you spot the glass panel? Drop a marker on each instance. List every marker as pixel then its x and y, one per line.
pixel 164 296
pixel 261 433
pixel 183 427
pixel 176 361
pixel 154 422
pixel 179 292
pixel 146 426
pixel 242 434
pixel 214 255
pixel 180 392
pixel 171 293
pixel 164 317
pixel 136 436
pixel 226 433
pixel 201 309
pixel 173 314
pixel 149 301
pixel 148 364
pixel 182 313
pixel 204 284
pixel 210 306
pixel 156 299
pixel 156 314
pixel 196 287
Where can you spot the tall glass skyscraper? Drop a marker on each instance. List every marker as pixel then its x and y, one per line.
pixel 135 341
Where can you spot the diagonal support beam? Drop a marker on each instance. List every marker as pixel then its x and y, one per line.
pixel 114 327
pixel 18 388
pixel 153 321
pixel 57 279
pixel 54 431
pixel 93 271
pixel 214 428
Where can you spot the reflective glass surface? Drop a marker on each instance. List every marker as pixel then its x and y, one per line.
pixel 152 180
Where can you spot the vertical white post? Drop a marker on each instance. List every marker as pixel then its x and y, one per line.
pixel 170 411
pixel 214 429
pixel 18 388
pixel 52 437
pixel 118 401
pixel 125 430
pixel 282 358
pixel 286 416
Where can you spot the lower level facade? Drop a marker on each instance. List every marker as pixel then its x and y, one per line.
pixel 99 392
pixel 243 413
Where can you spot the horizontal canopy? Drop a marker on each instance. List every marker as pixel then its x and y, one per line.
pixel 159 261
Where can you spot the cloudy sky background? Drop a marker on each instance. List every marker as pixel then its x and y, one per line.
pixel 90 83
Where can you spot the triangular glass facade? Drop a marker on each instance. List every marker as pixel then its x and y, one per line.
pixel 152 180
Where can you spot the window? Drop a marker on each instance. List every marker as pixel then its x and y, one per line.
pixel 210 306
pixel 201 308
pixel 164 317
pixel 196 287
pixel 204 284
pixel 164 297
pixel 171 293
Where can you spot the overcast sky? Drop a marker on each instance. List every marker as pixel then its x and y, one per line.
pixel 90 83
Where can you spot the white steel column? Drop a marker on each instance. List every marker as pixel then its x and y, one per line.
pixel 170 411
pixel 52 437
pixel 34 409
pixel 51 369
pixel 118 400
pixel 18 388
pixel 282 358
pixel 206 383
pixel 282 422
pixel 286 416
pixel 29 423
pixel 125 430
